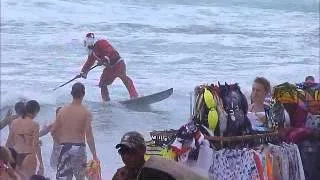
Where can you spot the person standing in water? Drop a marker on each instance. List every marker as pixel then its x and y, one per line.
pixel 71 129
pixel 103 52
pixel 20 109
pixel 56 147
pixel 24 138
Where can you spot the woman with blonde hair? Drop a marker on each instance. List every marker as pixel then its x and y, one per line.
pixel 260 95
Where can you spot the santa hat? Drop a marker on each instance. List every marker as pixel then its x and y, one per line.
pixel 90 35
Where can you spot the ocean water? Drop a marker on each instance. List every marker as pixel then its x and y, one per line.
pixel 165 44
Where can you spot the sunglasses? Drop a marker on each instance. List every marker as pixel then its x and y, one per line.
pixel 125 150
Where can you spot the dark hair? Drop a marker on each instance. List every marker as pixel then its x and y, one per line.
pixel 38 177
pixel 32 107
pixel 264 82
pixel 78 90
pixel 20 108
pixel 309 78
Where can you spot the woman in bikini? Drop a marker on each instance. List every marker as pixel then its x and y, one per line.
pixel 24 136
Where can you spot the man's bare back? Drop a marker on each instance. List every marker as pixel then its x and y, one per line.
pixel 72 123
pixel 71 128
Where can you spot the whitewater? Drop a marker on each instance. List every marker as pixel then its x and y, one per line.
pixel 169 43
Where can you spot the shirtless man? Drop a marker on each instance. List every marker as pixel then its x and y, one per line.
pixel 71 129
pixel 24 137
pixel 56 146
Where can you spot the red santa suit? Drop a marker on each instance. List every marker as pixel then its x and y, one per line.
pixel 103 51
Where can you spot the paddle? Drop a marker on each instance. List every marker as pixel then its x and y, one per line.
pixel 76 77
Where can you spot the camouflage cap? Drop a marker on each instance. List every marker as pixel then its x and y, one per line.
pixel 132 139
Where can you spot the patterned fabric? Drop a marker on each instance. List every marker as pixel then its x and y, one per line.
pixel 55 155
pixel 259 165
pixel 72 162
pixel 268 162
pixel 132 139
pixel 233 164
pixel 313 121
pixel 288 163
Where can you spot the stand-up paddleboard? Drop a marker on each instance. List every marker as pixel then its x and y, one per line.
pixel 149 99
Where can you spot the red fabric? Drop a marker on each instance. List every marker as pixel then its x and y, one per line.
pixel 258 165
pixel 295 135
pixel 299 118
pixel 297 114
pixel 178 151
pixel 102 51
pixel 269 166
pixel 110 73
pixel 118 70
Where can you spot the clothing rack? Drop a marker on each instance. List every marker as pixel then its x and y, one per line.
pixel 219 142
pixel 241 138
pixel 163 137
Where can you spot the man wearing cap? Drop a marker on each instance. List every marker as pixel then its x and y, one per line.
pixel 103 52
pixel 131 149
pixel 71 129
